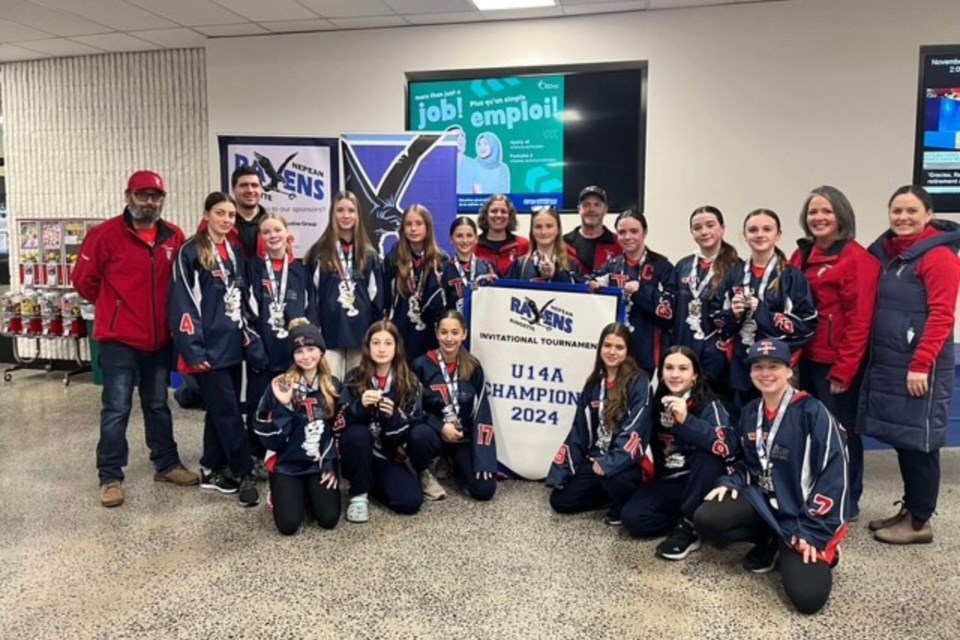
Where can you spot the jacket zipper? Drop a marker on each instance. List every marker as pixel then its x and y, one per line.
pixel 830 330
pixel 926 416
pixel 116 314
pixel 153 298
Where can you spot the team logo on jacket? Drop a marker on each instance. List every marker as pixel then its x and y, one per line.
pixel 311 439
pixel 443 391
pixel 169 252
pixel 782 322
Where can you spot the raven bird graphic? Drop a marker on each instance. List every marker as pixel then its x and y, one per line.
pixel 275 176
pixel 536 311
pixel 379 206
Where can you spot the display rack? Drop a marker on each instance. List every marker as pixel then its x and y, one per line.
pixel 44 305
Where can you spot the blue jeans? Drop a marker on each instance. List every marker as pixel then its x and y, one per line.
pixel 124 368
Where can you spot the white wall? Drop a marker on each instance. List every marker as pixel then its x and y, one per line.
pixel 76 128
pixel 748 105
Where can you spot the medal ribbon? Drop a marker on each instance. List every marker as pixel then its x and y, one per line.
pixel 226 275
pixel 277 294
pixel 767 272
pixel 696 288
pixel 452 382
pixel 764 448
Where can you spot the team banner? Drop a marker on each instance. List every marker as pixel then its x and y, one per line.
pixel 299 176
pixel 509 133
pixel 537 345
pixel 389 172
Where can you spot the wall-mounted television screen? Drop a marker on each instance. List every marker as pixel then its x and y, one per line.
pixel 936 164
pixel 539 134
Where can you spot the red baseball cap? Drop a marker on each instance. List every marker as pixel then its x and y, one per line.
pixel 146 180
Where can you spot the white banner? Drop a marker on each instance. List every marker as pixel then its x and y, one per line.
pixel 299 176
pixel 537 347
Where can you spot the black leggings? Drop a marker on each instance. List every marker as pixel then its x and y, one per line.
pixel 290 494
pixel 720 523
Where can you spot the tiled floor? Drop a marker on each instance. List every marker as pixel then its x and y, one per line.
pixel 179 563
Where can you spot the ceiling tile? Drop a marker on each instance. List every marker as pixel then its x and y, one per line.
pixel 114 13
pixel 405 7
pixel 60 47
pixel 190 13
pixel 569 3
pixel 348 8
pixel 220 31
pixel 180 37
pixel 370 22
pixel 11 53
pixel 604 7
pixel 290 26
pixel 49 19
pixel 260 11
pixel 116 42
pixel 12 32
pixel 444 18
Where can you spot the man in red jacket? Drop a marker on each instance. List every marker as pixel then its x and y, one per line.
pixel 125 269
pixel 592 244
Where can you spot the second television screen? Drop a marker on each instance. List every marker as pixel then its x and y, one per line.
pixel 538 137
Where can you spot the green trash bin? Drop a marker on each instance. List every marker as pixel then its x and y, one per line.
pixel 94 356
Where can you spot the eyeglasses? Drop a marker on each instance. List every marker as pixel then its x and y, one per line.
pixel 149 196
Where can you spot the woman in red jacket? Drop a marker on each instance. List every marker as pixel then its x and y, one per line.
pixel 843 279
pixel 498 244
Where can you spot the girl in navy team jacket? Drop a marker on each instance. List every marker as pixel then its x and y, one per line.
pixel 908 382
pixel 692 444
pixel 413 280
pixel 548 259
pixel 346 287
pixel 607 453
pixel 295 421
pixel 458 419
pixel 383 400
pixel 464 269
pixel 843 280
pixel 788 492
pixel 498 244
pixel 278 293
pixel 763 298
pixel 647 281
pixel 208 318
pixel 698 281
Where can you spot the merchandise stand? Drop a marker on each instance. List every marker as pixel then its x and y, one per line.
pixel 45 307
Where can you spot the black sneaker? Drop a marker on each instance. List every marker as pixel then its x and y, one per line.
pixel 763 557
pixel 612 519
pixel 679 544
pixel 259 471
pixel 218 481
pixel 249 496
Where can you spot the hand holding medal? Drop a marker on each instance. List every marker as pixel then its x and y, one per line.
pixel 674 411
pixel 283 389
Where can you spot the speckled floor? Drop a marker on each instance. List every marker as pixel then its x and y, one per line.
pixel 181 563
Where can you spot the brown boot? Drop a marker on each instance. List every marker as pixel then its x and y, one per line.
pixel 111 494
pixel 907 531
pixel 876 525
pixel 178 476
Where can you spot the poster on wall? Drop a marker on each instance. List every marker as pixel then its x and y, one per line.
pixel 537 345
pixel 299 176
pixel 390 172
pixel 937 156
pixel 509 131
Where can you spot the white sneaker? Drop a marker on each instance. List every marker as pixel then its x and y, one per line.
pixel 432 490
pixel 358 510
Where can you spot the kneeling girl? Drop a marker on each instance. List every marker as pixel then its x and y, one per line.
pixel 382 397
pixel 607 454
pixel 458 419
pixel 295 422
